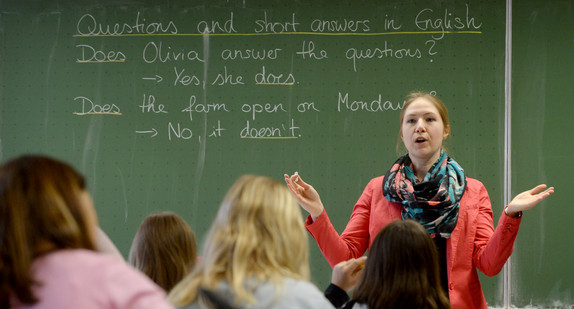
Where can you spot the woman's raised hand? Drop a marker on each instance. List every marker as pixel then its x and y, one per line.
pixel 528 199
pixel 305 195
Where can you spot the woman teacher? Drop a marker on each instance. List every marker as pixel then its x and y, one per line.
pixel 428 186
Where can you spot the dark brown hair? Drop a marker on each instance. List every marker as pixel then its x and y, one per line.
pixel 164 248
pixel 41 210
pixel 402 270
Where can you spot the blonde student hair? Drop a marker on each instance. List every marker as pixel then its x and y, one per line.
pixel 164 248
pixel 258 234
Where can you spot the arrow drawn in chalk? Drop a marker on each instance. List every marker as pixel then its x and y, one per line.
pixel 157 78
pixel 154 131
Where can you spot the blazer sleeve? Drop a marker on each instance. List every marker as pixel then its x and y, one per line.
pixel 493 247
pixel 354 241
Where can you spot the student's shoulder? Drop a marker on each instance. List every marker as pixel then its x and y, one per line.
pixel 98 268
pixel 98 277
pixel 305 295
pixel 75 258
pixel 300 285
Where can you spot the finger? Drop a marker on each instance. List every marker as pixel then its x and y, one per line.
pixel 358 264
pixel 550 190
pixel 303 184
pixel 289 182
pixel 350 264
pixel 297 182
pixel 293 187
pixel 546 193
pixel 345 264
pixel 357 261
pixel 287 178
pixel 294 178
pixel 537 189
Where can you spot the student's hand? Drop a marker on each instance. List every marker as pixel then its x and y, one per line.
pixel 305 195
pixel 528 199
pixel 347 274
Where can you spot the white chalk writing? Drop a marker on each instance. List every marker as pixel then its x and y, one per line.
pixel 90 108
pixel 264 25
pixel 231 86
pixel 427 20
pixel 88 25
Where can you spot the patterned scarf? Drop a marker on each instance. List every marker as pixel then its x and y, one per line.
pixel 433 202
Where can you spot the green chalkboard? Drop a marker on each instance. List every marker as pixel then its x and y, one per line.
pixel 162 105
pixel 542 148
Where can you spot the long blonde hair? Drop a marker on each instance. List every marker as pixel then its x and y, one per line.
pixel 258 234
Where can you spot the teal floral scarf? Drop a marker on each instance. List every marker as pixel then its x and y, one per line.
pixel 434 202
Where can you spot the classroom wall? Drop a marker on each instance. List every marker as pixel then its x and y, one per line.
pixel 164 105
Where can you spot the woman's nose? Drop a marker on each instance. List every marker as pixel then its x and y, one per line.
pixel 420 126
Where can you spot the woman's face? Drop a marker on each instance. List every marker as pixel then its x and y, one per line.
pixel 423 131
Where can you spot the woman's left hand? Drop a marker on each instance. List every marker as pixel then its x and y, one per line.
pixel 528 199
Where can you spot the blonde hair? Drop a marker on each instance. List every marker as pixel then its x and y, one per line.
pixel 434 100
pixel 164 248
pixel 41 210
pixel 258 234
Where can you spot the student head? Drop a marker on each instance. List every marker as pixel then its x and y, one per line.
pixel 164 248
pixel 44 206
pixel 402 270
pixel 258 233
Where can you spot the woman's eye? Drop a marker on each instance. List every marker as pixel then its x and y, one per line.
pixel 410 120
pixel 431 119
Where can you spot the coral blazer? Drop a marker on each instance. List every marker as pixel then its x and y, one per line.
pixel 474 243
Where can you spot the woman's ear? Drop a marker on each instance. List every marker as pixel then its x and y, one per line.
pixel 446 132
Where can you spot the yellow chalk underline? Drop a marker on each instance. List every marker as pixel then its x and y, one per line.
pixel 96 61
pixel 272 137
pixel 282 33
pixel 115 114
pixel 280 84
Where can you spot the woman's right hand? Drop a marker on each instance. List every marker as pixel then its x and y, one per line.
pixel 305 195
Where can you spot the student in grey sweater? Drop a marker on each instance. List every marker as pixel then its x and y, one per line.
pixel 255 255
